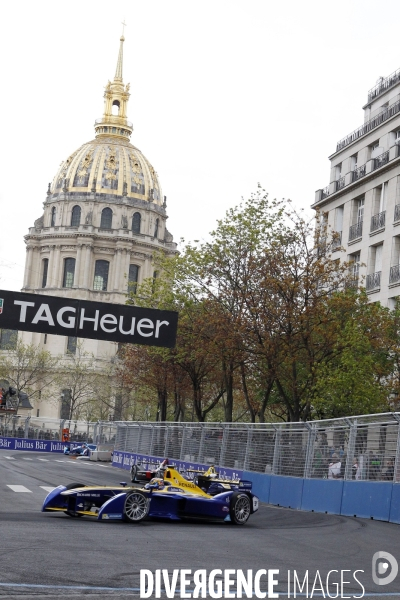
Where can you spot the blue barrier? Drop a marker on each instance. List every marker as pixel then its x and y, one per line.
pixel 29 445
pixel 286 491
pixel 368 499
pixel 394 516
pixel 322 495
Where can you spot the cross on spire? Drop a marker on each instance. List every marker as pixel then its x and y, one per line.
pixel 123 26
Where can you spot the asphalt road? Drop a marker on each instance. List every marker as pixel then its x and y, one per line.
pixel 46 555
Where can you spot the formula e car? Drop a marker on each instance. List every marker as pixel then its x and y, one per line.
pixel 138 473
pixel 210 481
pixel 171 497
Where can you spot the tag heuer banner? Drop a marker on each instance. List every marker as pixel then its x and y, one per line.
pixel 85 319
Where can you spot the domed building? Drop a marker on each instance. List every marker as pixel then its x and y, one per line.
pixel 104 217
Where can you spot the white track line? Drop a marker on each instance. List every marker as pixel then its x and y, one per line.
pixel 10 457
pixel 44 459
pixel 27 458
pixel 19 488
pixel 46 488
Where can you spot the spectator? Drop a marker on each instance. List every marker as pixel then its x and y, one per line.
pixel 334 469
pixel 389 473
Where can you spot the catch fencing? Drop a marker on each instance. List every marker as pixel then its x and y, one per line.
pixel 364 448
pixel 35 428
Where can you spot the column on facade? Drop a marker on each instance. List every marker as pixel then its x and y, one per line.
pixel 126 262
pixel 28 266
pixel 77 265
pixel 55 273
pixel 50 266
pixel 117 268
pixel 87 266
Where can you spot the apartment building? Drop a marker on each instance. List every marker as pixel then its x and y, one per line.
pixel 362 201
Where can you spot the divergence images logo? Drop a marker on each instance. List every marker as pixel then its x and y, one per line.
pixel 383 563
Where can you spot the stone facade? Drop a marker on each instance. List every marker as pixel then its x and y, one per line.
pixel 362 200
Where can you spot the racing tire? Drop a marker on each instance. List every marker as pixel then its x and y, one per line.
pixel 136 507
pixel 134 470
pixel 72 486
pixel 239 508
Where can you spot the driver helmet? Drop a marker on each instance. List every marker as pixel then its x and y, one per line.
pixel 156 483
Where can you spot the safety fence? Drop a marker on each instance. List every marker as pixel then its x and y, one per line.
pixel 363 448
pixel 45 429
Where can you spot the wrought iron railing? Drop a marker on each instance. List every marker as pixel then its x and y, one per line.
pixel 325 192
pixel 394 276
pixel 358 173
pixel 373 281
pixel 397 212
pixel 355 231
pixel 378 221
pixel 381 160
pixel 384 84
pixel 383 116
pixel 340 184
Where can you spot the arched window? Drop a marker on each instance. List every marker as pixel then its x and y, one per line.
pixel 133 278
pixel 101 275
pixel 106 218
pixel 45 263
pixel 156 228
pixel 53 217
pixel 136 222
pixel 69 272
pixel 76 216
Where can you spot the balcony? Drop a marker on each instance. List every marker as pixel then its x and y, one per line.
pixel 378 221
pixel 397 212
pixel 373 282
pixel 394 276
pixel 381 160
pixel 340 184
pixel 352 283
pixel 355 231
pixel 380 118
pixel 358 173
pixel 325 192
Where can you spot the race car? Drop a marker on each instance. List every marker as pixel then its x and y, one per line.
pixel 210 482
pixel 140 474
pixel 171 497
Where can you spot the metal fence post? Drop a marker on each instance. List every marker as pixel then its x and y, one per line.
pixel 350 449
pixel 312 432
pixel 166 441
pixel 224 444
pixel 248 448
pixel 201 446
pixel 139 439
pixel 26 429
pixel 275 462
pixel 181 455
pixel 152 439
pixel 396 477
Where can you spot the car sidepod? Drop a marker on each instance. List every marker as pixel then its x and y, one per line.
pixel 113 509
pixel 54 500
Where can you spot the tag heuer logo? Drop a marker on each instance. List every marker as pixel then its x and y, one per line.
pixel 1 305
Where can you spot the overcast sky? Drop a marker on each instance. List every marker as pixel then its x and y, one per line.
pixel 224 95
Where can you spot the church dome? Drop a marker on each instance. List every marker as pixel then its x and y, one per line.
pixel 109 165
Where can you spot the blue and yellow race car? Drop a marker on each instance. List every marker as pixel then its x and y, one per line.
pixel 172 497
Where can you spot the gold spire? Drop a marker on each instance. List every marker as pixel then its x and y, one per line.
pixel 116 96
pixel 118 70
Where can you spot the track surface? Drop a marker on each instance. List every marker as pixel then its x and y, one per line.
pixel 78 555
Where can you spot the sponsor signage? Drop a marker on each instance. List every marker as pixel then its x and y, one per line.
pixel 86 319
pixel 28 445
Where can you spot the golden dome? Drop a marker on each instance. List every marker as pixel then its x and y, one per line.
pixel 109 165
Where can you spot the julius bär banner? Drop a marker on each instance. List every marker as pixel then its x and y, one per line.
pixel 85 319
